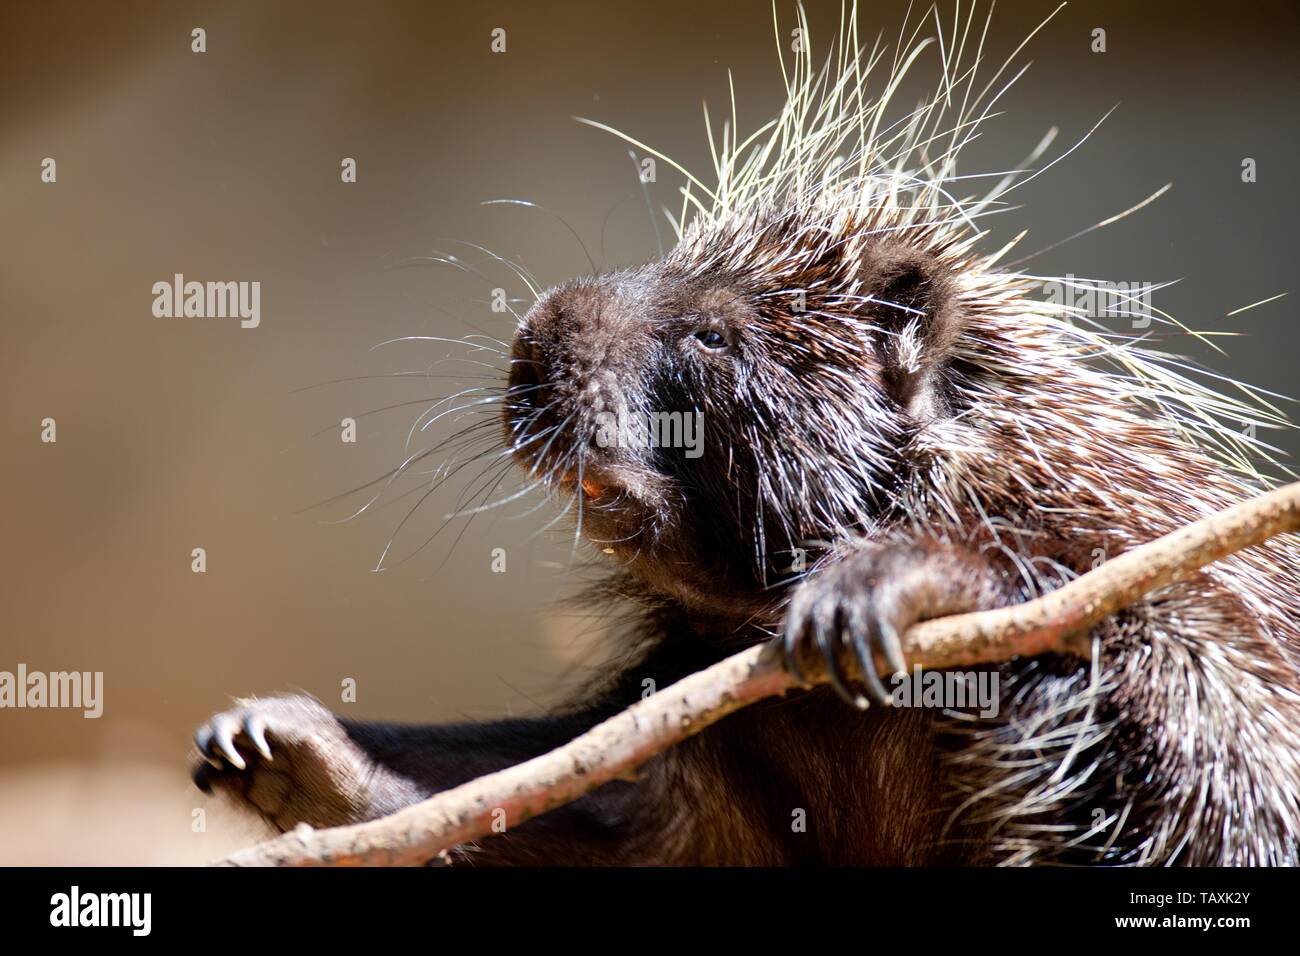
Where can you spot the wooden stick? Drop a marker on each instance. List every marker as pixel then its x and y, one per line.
pixel 1057 622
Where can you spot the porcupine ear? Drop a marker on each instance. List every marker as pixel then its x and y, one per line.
pixel 913 308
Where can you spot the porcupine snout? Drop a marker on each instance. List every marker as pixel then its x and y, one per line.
pixel 575 355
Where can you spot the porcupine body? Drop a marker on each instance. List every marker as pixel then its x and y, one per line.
pixel 878 394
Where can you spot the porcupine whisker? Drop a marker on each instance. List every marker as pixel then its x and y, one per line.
pixel 492 505
pixel 477 403
pixel 449 469
pixel 388 478
pixel 413 373
pixel 475 346
pixel 388 475
pixel 468 408
pixel 488 485
pixel 492 338
pixel 333 426
pixel 604 226
pixel 481 450
pixel 530 280
pixel 560 516
pixel 562 221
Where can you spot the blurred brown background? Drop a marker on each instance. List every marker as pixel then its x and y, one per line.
pixel 183 433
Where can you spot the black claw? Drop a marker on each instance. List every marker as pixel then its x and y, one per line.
pixel 792 648
pixel 202 777
pixel 892 645
pixel 829 633
pixel 863 637
pixel 844 609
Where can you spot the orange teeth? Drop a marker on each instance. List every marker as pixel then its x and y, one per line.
pixel 590 486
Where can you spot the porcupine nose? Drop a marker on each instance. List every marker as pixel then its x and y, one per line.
pixel 569 362
pixel 528 378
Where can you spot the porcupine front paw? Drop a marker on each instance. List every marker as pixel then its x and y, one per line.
pixel 287 759
pixel 866 601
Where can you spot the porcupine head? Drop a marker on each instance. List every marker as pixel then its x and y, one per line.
pixel 780 378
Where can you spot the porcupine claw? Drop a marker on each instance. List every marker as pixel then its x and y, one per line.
pixel 815 614
pixel 845 607
pixel 216 741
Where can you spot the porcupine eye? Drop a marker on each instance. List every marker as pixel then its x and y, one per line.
pixel 711 340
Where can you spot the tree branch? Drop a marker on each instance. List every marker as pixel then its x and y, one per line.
pixel 1057 622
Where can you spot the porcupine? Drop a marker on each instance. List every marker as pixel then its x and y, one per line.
pixel 881 395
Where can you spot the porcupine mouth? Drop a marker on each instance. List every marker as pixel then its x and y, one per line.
pixel 614 493
pixel 617 499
